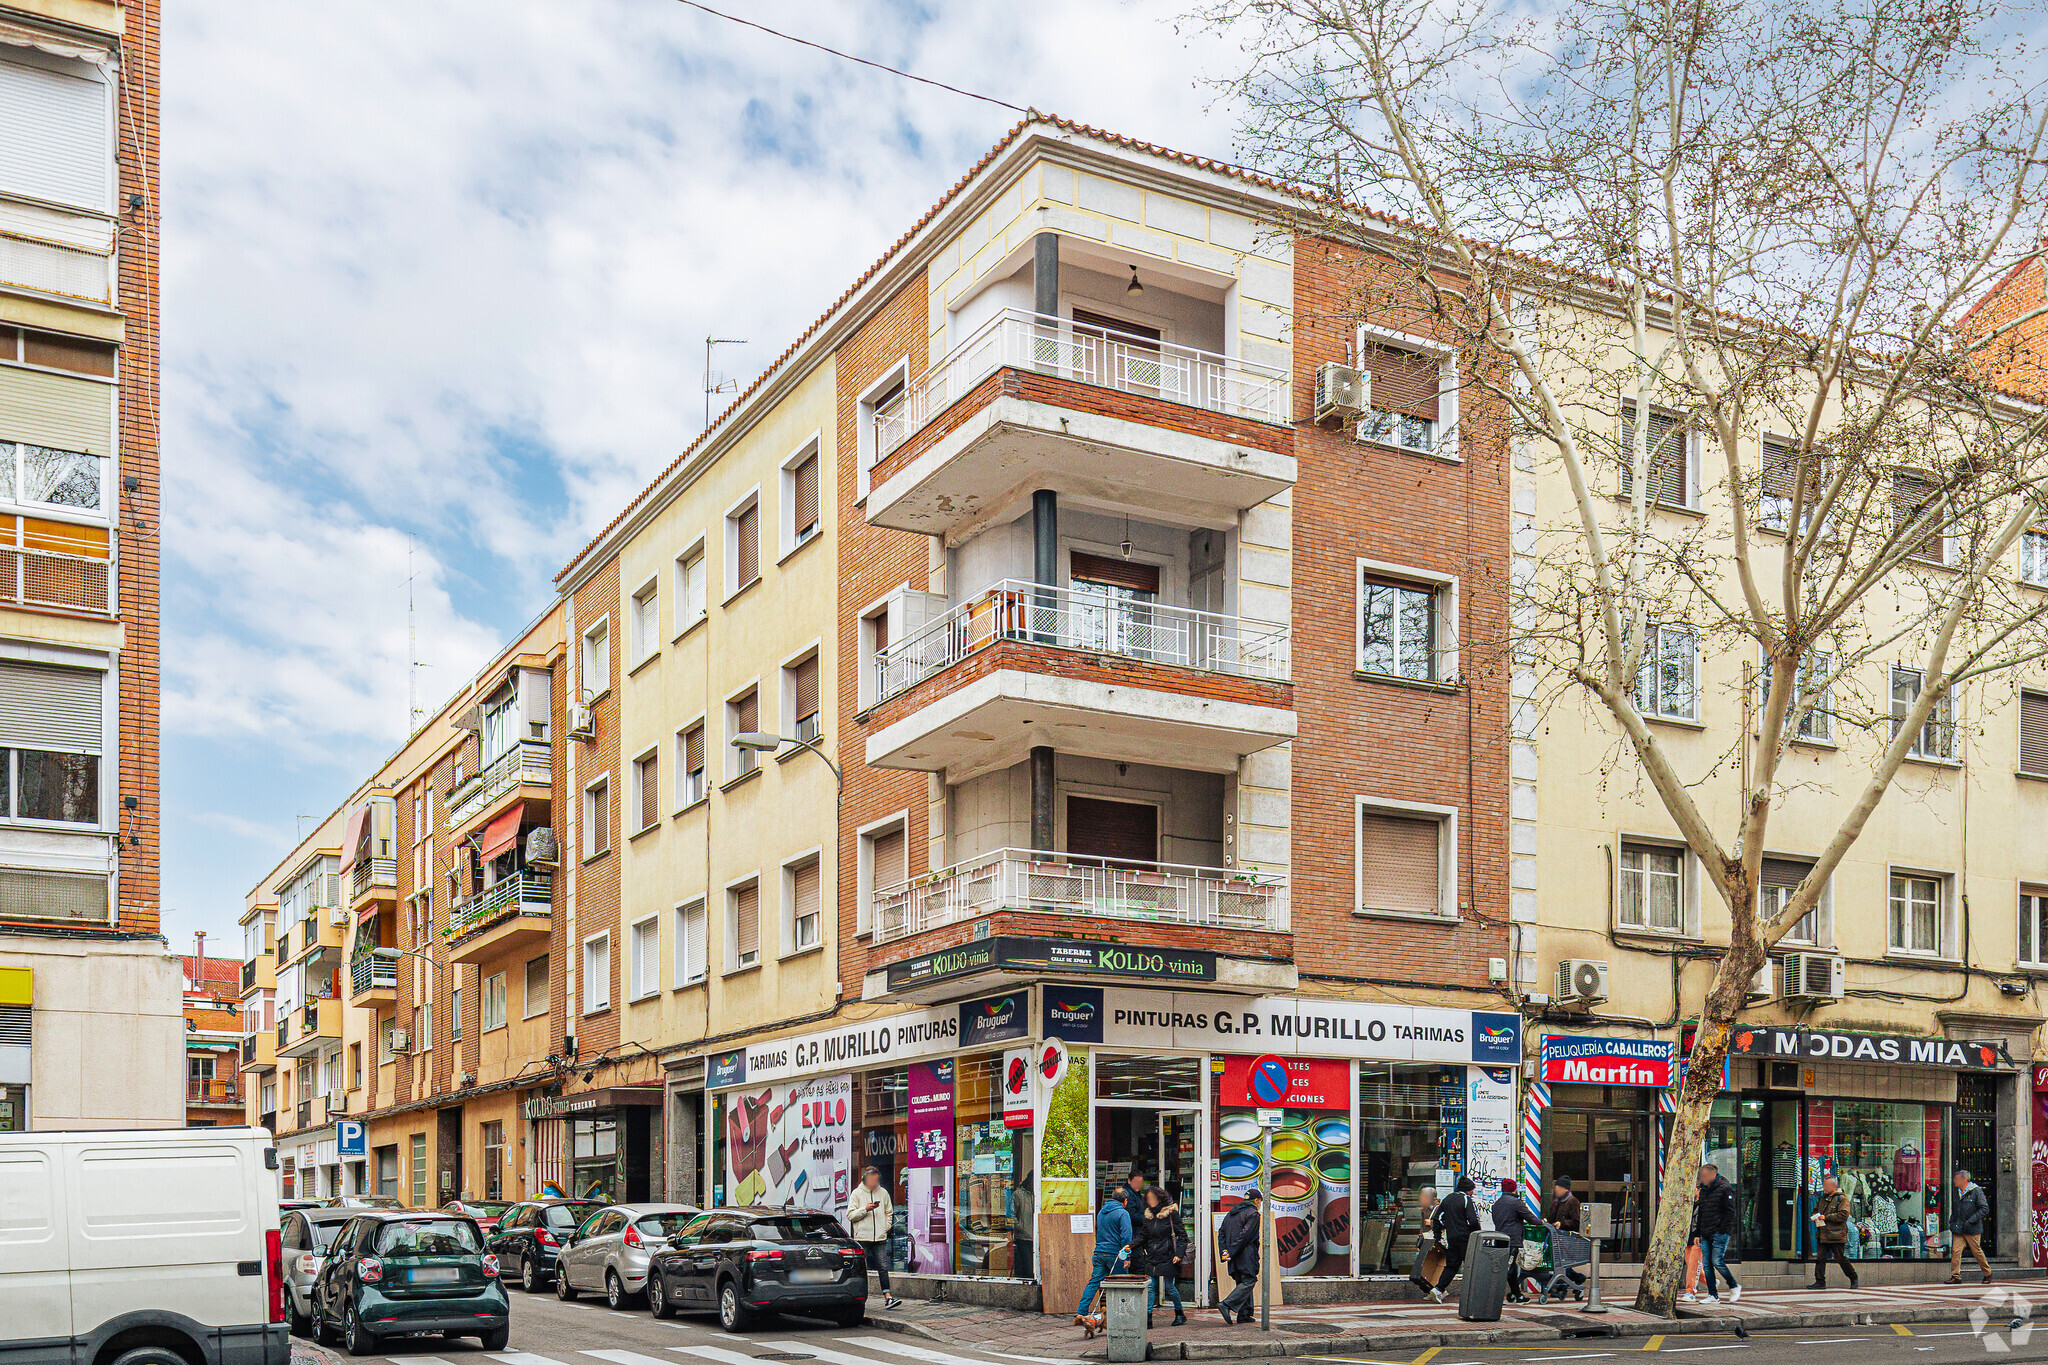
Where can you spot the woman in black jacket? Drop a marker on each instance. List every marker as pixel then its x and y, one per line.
pixel 1161 1247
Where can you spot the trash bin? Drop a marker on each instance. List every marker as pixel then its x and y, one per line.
pixel 1488 1263
pixel 1123 1309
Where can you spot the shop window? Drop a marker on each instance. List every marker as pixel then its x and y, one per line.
pixel 1888 1160
pixel 1148 1078
pixel 1653 888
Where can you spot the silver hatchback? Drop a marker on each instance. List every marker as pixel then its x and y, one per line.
pixel 306 1234
pixel 610 1252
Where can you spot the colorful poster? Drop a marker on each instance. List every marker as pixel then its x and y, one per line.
pixel 931 1220
pixel 791 1144
pixel 1489 1130
pixel 931 1115
pixel 1311 1083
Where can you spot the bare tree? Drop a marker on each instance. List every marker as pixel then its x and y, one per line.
pixel 1674 227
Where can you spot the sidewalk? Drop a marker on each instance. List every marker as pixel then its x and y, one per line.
pixel 1353 1328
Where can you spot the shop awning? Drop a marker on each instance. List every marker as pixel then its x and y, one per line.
pixel 502 833
pixel 352 836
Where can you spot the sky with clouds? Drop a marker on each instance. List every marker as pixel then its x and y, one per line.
pixel 436 283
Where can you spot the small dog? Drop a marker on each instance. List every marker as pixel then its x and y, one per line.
pixel 1090 1324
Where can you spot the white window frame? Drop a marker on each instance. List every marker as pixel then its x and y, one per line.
pixel 787 543
pixel 1944 912
pixel 598 789
pixel 1445 586
pixel 739 762
pixel 2033 556
pixel 1648 699
pixel 1447 888
pixel 1946 538
pixel 692 922
pixel 688 615
pixel 1688 886
pixel 492 988
pixel 1444 440
pixel 731 523
pixel 1942 719
pixel 1690 432
pixel 685 796
pixel 638 986
pixel 644 819
pixel 732 936
pixel 790 867
pixel 2033 925
pixel 865 689
pixel 597 646
pixel 1822 914
pixel 644 619
pixel 1820 716
pixel 867 455
pixel 864 870
pixel 547 976
pixel 597 985
pixel 786 699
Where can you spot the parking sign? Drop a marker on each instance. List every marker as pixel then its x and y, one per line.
pixel 350 1139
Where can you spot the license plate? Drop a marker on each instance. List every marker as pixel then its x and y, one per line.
pixel 813 1276
pixel 437 1274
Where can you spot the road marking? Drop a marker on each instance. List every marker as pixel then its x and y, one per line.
pixel 1652 1344
pixel 1597 1355
pixel 1681 1350
pixel 1826 1341
pixel 904 1348
pixel 718 1353
pixel 1948 1334
pixel 1426 1356
pixel 1902 1329
pixel 523 1358
pixel 416 1360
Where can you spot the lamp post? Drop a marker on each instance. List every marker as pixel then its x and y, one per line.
pixel 765 742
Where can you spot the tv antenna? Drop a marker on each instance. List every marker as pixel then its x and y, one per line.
pixel 715 383
pixel 412 650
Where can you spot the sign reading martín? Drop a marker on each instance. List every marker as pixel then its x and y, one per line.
pixel 1820 1045
pixel 1575 1059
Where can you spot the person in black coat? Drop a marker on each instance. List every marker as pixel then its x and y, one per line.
pixel 1239 1237
pixel 1161 1247
pixel 1511 1218
pixel 1713 1225
pixel 1458 1217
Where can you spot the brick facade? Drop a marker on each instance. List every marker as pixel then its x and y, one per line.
pixel 597 899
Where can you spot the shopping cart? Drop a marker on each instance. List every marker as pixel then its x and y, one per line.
pixel 1568 1251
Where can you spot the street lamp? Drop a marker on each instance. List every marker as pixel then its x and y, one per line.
pixel 765 742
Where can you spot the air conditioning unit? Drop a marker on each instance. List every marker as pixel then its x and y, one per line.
pixel 401 1040
pixel 1581 980
pixel 541 848
pixel 337 1101
pixel 582 722
pixel 1341 391
pixel 1811 976
pixel 1764 984
pixel 337 917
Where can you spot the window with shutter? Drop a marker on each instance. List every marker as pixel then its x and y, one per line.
pixel 1779 479
pixel 744 713
pixel 1911 497
pixel 646 958
pixel 597 832
pixel 1670 456
pixel 690 943
pixel 888 862
pixel 689 590
pixel 646 773
pixel 804 684
pixel 746 534
pixel 1400 862
pixel 804 500
pixel 2034 733
pixel 69 160
pixel 1406 398
pixel 1776 881
pixel 2033 925
pixel 806 906
pixel 1116 573
pixel 746 925
pixel 690 782
pixel 1119 831
pixel 646 622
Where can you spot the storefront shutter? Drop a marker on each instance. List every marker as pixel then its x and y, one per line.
pixel 1116 573
pixel 807 688
pixel 68 160
pixel 1124 831
pixel 746 920
pixel 887 862
pixel 2034 732
pixel 1403 381
pixel 1402 862
pixel 42 707
pixel 806 481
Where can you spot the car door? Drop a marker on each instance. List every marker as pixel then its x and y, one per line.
pixel 705 1259
pixel 507 1243
pixel 586 1258
pixel 329 1282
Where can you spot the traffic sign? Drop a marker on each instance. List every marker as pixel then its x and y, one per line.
pixel 1268 1082
pixel 1272 1118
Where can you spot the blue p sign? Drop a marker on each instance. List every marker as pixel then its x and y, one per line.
pixel 350 1139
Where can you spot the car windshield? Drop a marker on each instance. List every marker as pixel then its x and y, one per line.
pixel 795 1229
pixel 485 1208
pixel 570 1215
pixel 325 1233
pixel 662 1224
pixel 436 1237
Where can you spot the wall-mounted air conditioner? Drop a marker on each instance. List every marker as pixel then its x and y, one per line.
pixel 1581 980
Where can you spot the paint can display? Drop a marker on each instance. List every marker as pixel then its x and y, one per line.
pixel 1333 1200
pixel 1294 1217
pixel 1239 1130
pixel 1292 1149
pixel 1237 1174
pixel 1333 1133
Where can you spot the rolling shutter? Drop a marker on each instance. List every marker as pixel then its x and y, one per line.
pixel 804 891
pixel 693 750
pixel 64 156
pixel 746 920
pixel 1123 831
pixel 56 709
pixel 56 410
pixel 1403 381
pixel 887 864
pixel 1401 862
pixel 1669 480
pixel 650 791
pixel 1781 469
pixel 747 713
pixel 2034 732
pixel 746 530
pixel 1783 872
pixel 806 481
pixel 807 688
pixel 1116 573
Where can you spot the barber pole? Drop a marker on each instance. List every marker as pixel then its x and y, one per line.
pixel 1532 1135
pixel 1667 1105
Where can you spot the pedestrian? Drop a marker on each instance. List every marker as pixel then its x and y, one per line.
pixel 1713 1223
pixel 1134 1190
pixel 1831 1218
pixel 1511 1218
pixel 1238 1236
pixel 1459 1219
pixel 1112 1249
pixel 1429 1239
pixel 1564 1216
pixel 870 1214
pixel 1162 1242
pixel 1966 1227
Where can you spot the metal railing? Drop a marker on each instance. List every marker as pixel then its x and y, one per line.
pixel 305 1114
pixel 1079 618
pixel 1112 360
pixel 522 893
pixel 366 973
pixel 527 761
pixel 373 872
pixel 249 1050
pixel 44 578
pixel 309 1017
pixel 1071 884
pixel 212 1090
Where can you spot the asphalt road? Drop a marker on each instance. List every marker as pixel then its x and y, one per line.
pixel 1946 1343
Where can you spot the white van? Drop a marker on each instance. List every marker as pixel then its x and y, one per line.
pixel 141 1247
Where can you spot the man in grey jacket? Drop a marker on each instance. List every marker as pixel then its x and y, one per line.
pixel 870 1213
pixel 1966 1220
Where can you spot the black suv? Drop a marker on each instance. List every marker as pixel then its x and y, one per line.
pixel 743 1262
pixel 530 1236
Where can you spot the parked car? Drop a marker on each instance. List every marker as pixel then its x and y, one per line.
pixel 389 1274
pixel 150 1247
pixel 744 1262
pixel 486 1212
pixel 361 1201
pixel 530 1236
pixel 287 1205
pixel 308 1235
pixel 610 1251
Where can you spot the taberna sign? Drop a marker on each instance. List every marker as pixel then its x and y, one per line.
pixel 1884 1049
pixel 1571 1059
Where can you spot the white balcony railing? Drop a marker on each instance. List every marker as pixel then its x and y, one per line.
pixel 1070 884
pixel 373 872
pixel 522 893
pixel 527 761
pixel 44 578
pixel 1085 619
pixel 368 973
pixel 1110 360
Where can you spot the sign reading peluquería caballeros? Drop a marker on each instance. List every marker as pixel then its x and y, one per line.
pixel 1896 1049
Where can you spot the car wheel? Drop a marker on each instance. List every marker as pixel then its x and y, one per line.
pixel 149 1355
pixel 562 1289
pixel 322 1331
pixel 732 1314
pixel 495 1339
pixel 615 1294
pixel 355 1336
pixel 657 1298
pixel 853 1315
pixel 301 1323
pixel 529 1277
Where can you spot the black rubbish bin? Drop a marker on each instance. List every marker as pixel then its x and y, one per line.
pixel 1488 1263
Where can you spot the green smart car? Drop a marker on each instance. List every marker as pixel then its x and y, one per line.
pixel 393 1274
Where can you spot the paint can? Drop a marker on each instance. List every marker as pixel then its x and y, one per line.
pixel 1333 1200
pixel 1237 1174
pixel 1293 1195
pixel 1292 1149
pixel 1239 1130
pixel 1333 1133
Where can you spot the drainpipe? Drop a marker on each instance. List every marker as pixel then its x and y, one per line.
pixel 1041 798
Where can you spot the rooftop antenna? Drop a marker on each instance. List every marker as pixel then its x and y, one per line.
pixel 412 651
pixel 714 383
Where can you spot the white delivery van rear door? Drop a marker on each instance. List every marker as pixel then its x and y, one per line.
pixel 35 1277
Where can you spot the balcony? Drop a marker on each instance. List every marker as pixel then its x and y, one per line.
pixel 374 880
pixel 317 1023
pixel 525 771
pixel 1025 664
pixel 248 976
pixel 259 1051
pixel 217 1090
pixel 372 980
pixel 61 582
pixel 305 1115
pixel 1029 402
pixel 513 912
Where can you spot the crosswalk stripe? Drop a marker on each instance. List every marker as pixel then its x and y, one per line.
pixel 832 1357
pixel 925 1353
pixel 635 1358
pixel 718 1353
pixel 416 1360
pixel 523 1358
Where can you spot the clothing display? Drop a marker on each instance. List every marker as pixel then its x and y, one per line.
pixel 1816 1167
pixel 1785 1167
pixel 1884 1217
pixel 1906 1170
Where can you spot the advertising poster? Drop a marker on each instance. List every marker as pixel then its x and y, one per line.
pixel 1489 1131
pixel 791 1144
pixel 930 1130
pixel 1311 1184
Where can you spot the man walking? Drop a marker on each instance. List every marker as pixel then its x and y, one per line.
pixel 1511 1218
pixel 1459 1220
pixel 1966 1227
pixel 869 1214
pixel 1238 1235
pixel 1564 1216
pixel 1713 1223
pixel 1831 1239
pixel 1112 1248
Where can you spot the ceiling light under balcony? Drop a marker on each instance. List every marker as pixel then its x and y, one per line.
pixel 1134 288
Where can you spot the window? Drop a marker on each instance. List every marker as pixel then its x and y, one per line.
pixel 646 621
pixel 743 918
pixel 1815 685
pixel 1406 624
pixel 691 943
pixel 742 716
pixel 1937 736
pixel 52 723
pixel 385 1052
pixel 2034 557
pixel 491 1003
pixel 1671 472
pixel 494 1160
pixel 355 1066
pixel 800 694
pixel 1406 397
pixel 597 973
pixel 690 765
pixel 1779 878
pixel 885 865
pixel 743 544
pixel 597 660
pixel 597 832
pixel 800 494
pixel 646 791
pixel 419 1170
pixel 535 1001
pixel 805 898
pixel 1779 483
pixel 2034 926
pixel 1652 888
pixel 1916 914
pixel 881 397
pixel 646 957
pixel 71 159
pixel 455 1015
pixel 35 474
pixel 690 587
pixel 1407 859
pixel 1113 608
pixel 1912 498
pixel 1667 679
pixel 2034 733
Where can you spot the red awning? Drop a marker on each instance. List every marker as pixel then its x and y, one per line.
pixel 352 837
pixel 502 833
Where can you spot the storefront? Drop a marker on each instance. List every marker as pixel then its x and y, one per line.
pixel 601 1144
pixel 1596 1116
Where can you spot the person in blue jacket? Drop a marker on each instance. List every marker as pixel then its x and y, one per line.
pixel 1113 1235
